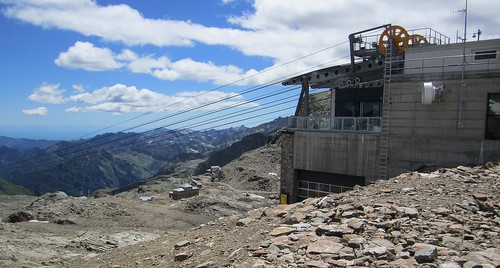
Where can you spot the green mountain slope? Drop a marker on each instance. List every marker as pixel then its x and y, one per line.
pixel 7 188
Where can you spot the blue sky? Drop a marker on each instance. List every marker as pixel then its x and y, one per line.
pixel 75 67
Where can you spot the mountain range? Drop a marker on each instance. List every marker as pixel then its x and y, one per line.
pixel 112 160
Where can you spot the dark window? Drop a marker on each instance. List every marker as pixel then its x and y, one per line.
pixel 358 102
pixel 493 117
pixel 371 109
pixel 485 55
pixel 347 109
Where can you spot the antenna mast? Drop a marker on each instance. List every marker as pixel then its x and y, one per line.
pixel 462 82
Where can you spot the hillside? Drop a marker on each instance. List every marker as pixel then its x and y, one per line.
pixel 7 188
pixel 115 159
pixel 24 144
pixel 447 218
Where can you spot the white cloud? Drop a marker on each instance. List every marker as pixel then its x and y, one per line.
pixel 282 30
pixel 84 55
pixel 36 111
pixel 119 23
pixel 225 2
pixel 48 93
pixel 148 64
pixel 119 99
pixel 78 88
pixel 188 69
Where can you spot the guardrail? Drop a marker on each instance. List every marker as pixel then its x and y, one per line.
pixel 335 124
pixel 485 61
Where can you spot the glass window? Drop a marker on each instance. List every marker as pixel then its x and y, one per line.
pixel 347 109
pixel 485 55
pixel 493 117
pixel 371 109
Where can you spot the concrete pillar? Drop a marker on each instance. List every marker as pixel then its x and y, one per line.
pixel 288 181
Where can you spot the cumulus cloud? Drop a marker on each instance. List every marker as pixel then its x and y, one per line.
pixel 120 99
pixel 35 111
pixel 84 55
pixel 48 93
pixel 119 23
pixel 281 30
pixel 78 88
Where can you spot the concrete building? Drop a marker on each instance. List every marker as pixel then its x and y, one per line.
pixel 185 190
pixel 407 100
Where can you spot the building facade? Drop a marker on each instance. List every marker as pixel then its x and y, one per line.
pixel 431 104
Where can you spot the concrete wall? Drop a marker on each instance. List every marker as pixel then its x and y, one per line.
pixel 288 181
pixel 433 59
pixel 340 153
pixel 430 135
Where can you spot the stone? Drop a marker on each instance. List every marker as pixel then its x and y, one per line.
pixel 182 256
pixel 403 263
pixel 456 228
pixel 386 190
pixel 351 214
pixel 259 253
pixel 356 242
pixel 489 256
pixel 381 243
pixel 356 224
pixel 279 231
pixel 208 264
pixel 181 244
pixel 278 211
pixel 296 217
pixel 409 212
pixel 19 216
pixel 281 242
pixel 236 253
pixel 64 221
pixel 450 265
pixel 325 202
pixel 259 264
pixel 377 252
pixel 426 254
pixel 334 230
pixel 480 197
pixel 339 263
pixel 324 245
pixel 403 255
pixel 301 227
pixel 244 221
pixel 317 264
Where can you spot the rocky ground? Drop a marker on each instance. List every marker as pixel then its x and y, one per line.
pixel 446 218
pixel 256 170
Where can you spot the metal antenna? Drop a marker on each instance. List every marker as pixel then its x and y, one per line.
pixel 462 82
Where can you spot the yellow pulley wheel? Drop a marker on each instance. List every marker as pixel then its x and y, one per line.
pixel 417 39
pixel 399 35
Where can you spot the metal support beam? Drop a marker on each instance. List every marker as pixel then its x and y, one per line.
pixel 303 99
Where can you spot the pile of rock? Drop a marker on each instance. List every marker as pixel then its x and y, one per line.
pixel 447 218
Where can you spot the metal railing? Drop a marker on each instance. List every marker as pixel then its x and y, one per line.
pixel 335 124
pixel 308 189
pixel 474 62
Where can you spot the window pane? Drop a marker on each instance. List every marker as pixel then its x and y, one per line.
pixel 485 55
pixel 493 128
pixel 302 192
pixel 494 104
pixel 345 109
pixel 313 186
pixel 371 109
pixel 493 118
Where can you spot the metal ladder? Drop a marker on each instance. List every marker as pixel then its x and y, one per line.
pixel 384 134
